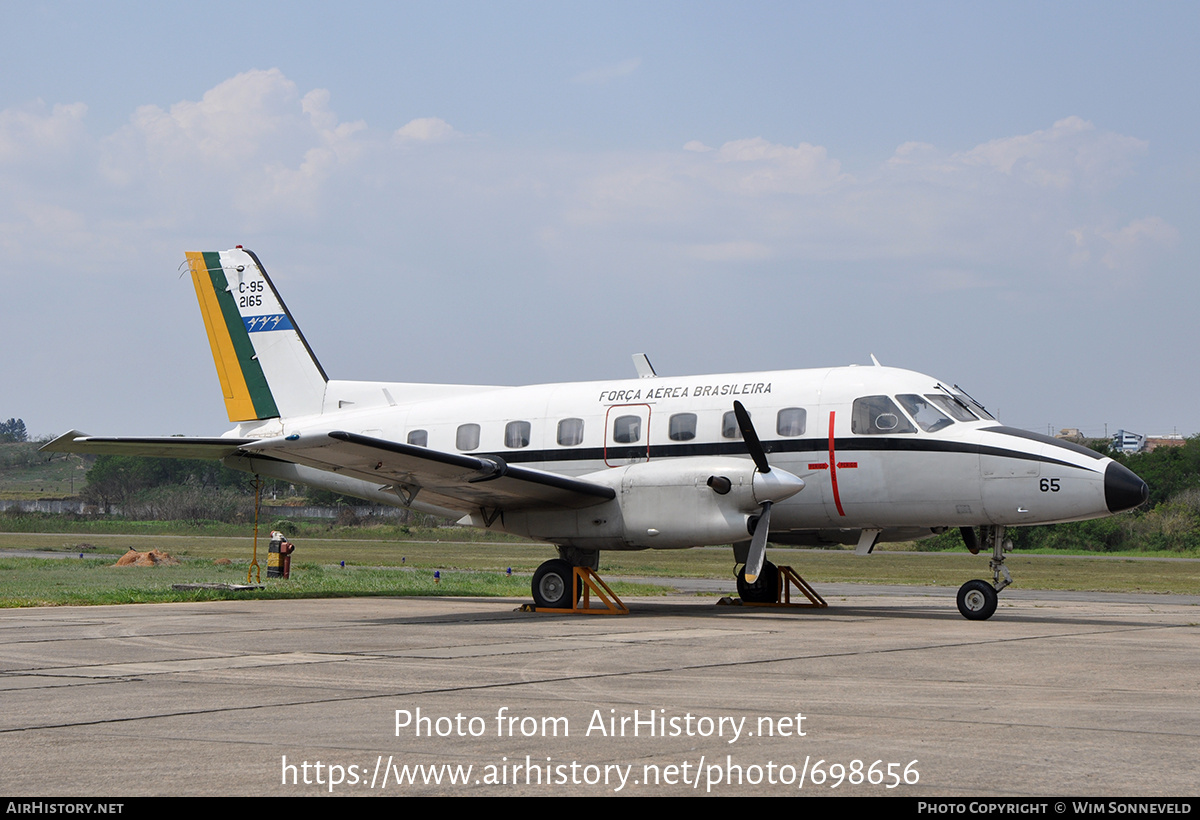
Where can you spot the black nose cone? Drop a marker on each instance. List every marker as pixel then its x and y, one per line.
pixel 1122 489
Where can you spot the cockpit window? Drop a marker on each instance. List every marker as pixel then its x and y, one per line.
pixel 975 406
pixel 875 415
pixel 952 407
pixel 928 417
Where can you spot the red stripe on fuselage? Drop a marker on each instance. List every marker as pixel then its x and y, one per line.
pixel 833 465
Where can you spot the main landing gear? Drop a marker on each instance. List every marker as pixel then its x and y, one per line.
pixel 560 584
pixel 977 600
pixel 764 590
pixel 552 585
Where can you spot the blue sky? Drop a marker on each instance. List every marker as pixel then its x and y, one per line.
pixel 1002 196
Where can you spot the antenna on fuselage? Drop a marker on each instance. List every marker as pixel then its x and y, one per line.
pixel 641 363
pixel 877 364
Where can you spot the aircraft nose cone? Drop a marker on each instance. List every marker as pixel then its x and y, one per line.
pixel 1123 490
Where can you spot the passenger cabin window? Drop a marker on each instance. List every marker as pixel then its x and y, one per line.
pixel 570 432
pixel 516 434
pixel 418 437
pixel 927 416
pixel 468 437
pixel 790 421
pixel 682 427
pixel 875 415
pixel 627 429
pixel 729 426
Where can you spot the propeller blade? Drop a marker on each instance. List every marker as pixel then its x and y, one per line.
pixel 758 544
pixel 752 443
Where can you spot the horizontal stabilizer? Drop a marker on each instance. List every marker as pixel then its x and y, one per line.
pixel 157 446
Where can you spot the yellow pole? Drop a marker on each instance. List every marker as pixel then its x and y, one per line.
pixel 254 568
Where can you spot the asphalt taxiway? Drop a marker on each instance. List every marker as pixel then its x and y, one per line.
pixel 1075 695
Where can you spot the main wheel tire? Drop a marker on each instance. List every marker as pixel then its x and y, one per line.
pixel 764 590
pixel 552 585
pixel 977 600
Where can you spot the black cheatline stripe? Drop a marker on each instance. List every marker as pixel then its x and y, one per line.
pixel 737 448
pixel 1044 439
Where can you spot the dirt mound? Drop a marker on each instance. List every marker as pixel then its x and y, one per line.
pixel 153 558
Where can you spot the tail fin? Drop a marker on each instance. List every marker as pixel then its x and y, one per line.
pixel 265 366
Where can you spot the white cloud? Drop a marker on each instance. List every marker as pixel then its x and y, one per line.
pixel 1069 153
pixel 426 129
pixel 1035 205
pixel 251 144
pixel 31 132
pixel 1127 250
pixel 759 166
pixel 254 153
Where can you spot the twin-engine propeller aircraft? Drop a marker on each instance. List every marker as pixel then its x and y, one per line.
pixel 843 455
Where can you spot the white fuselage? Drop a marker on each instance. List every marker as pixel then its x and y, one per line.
pixel 863 469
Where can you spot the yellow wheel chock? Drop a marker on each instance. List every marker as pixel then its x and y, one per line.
pixel 592 583
pixel 788 578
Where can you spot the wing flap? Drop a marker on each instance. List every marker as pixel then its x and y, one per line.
pixel 471 482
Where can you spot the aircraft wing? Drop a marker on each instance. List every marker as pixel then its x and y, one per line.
pixel 452 480
pixel 158 446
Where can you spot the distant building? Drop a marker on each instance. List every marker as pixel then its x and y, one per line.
pixel 1127 442
pixel 1173 440
pixel 1070 434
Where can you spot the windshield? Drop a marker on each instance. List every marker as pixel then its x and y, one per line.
pixel 926 415
pixel 976 407
pixel 952 407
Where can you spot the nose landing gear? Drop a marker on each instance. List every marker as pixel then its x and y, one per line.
pixel 977 600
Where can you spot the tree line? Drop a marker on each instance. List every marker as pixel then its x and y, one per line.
pixel 13 431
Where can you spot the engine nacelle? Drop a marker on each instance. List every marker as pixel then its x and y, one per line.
pixel 673 503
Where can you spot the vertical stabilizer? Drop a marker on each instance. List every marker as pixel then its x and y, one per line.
pixel 264 364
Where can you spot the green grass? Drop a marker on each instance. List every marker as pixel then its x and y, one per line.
pixel 26 475
pixel 20 522
pixel 96 581
pixel 479 569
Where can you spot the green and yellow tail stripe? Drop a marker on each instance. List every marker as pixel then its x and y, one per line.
pixel 247 396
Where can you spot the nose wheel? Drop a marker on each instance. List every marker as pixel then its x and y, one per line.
pixel 977 600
